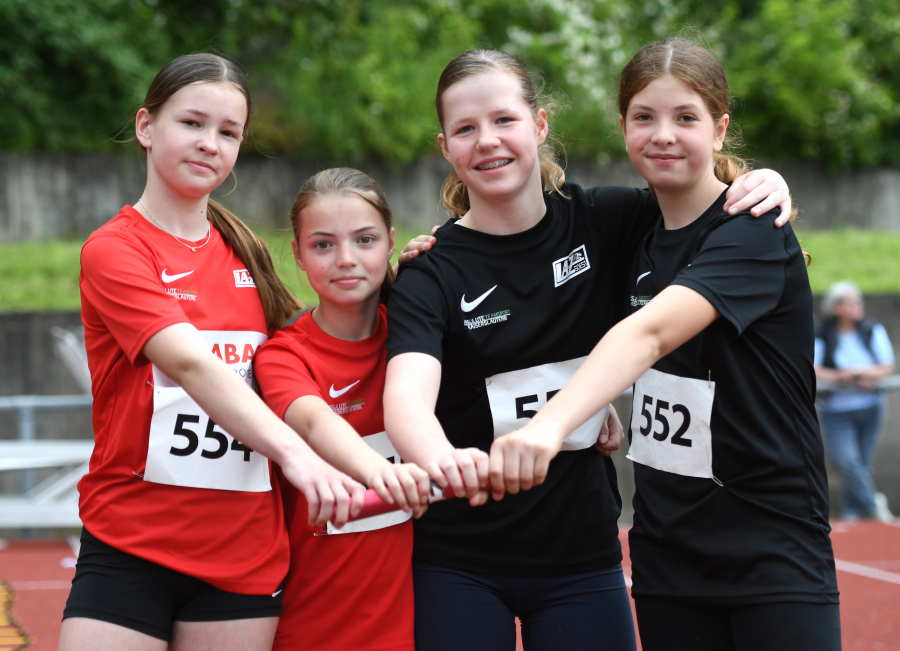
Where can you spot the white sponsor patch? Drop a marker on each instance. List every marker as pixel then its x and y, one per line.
pixel 242 278
pixel 573 264
pixel 516 396
pixel 486 320
pixel 670 424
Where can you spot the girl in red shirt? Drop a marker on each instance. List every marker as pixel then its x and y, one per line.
pixel 184 537
pixel 348 588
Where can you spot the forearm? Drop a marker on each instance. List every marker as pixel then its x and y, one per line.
pixel 233 405
pixel 411 388
pixel 877 370
pixel 601 379
pixel 832 374
pixel 333 438
pixel 413 429
pixel 630 348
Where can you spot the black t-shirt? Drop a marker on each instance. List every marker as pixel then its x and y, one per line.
pixel 734 507
pixel 508 317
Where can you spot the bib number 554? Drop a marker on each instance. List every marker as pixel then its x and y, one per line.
pixel 193 441
pixel 660 417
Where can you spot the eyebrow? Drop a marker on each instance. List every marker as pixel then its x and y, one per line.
pixel 682 107
pixel 363 229
pixel 206 115
pixel 493 112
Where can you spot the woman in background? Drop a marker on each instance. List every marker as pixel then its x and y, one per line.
pixel 853 352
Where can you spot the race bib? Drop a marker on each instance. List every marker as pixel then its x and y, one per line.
pixel 186 447
pixel 382 445
pixel 670 420
pixel 516 396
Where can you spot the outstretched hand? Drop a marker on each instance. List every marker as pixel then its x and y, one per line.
pixel 327 490
pixel 521 460
pixel 403 484
pixel 465 471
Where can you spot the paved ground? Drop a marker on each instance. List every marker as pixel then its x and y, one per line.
pixel 35 577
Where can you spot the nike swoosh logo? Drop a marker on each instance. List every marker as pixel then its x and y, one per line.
pixel 338 394
pixel 641 276
pixel 277 592
pixel 468 307
pixel 166 278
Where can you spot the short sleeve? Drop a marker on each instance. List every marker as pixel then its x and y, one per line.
pixel 282 375
pixel 417 314
pixel 819 352
pixel 120 282
pixel 740 268
pixel 625 215
pixel 881 345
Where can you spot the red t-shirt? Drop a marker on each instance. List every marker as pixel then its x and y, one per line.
pixel 348 591
pixel 135 281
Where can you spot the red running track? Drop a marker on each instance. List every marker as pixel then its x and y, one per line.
pixel 868 560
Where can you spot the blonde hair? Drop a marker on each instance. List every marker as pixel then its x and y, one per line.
pixel 454 193
pixel 339 181
pixel 277 301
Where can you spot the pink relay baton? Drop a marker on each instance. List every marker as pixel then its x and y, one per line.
pixel 374 505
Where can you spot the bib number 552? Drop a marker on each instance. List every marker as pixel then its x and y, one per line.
pixel 660 417
pixel 193 441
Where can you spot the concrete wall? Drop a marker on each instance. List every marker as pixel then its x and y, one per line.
pixel 51 196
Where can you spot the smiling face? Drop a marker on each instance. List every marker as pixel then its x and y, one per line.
pixel 192 141
pixel 344 247
pixel 491 136
pixel 670 135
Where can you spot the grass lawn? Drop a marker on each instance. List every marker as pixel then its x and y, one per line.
pixel 43 276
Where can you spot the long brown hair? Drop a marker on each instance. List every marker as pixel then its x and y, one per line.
pixel 339 181
pixel 277 301
pixel 454 194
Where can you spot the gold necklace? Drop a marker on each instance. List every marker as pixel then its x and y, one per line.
pixel 177 239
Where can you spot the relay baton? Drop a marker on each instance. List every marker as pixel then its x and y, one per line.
pixel 374 505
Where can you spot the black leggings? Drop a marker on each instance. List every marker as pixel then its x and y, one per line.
pixel 464 611
pixel 672 625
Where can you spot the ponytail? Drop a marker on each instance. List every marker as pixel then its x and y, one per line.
pixel 455 194
pixel 277 301
pixel 729 166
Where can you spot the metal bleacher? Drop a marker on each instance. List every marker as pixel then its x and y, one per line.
pixel 54 501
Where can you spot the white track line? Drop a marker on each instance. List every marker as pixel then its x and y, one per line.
pixel 865 570
pixel 41 585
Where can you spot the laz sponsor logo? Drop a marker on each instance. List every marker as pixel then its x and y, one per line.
pixel 242 278
pixel 573 264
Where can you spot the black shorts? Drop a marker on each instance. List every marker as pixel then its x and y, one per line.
pixel 115 587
